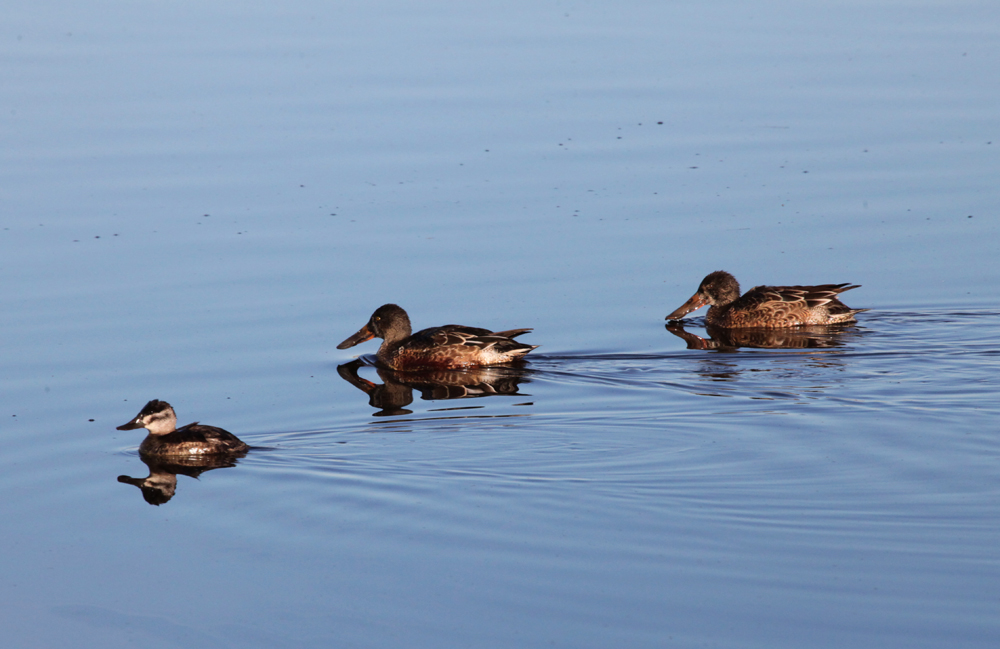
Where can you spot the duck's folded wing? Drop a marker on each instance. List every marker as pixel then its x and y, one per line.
pixel 763 297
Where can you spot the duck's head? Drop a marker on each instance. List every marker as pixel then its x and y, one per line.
pixel 717 288
pixel 389 322
pixel 158 417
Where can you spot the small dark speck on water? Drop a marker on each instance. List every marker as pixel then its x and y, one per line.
pixel 90 420
pixel 970 216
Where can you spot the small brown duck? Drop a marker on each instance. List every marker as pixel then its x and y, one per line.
pixel 767 307
pixel 165 438
pixel 436 348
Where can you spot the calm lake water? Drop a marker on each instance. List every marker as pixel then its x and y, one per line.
pixel 200 200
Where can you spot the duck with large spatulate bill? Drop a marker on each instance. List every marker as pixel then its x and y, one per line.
pixel 768 307
pixel 442 348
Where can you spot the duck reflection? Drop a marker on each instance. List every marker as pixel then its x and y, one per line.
pixel 808 337
pixel 810 364
pixel 161 483
pixel 396 391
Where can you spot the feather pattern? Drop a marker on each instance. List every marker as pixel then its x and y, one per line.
pixel 768 307
pixel 164 438
pixel 448 347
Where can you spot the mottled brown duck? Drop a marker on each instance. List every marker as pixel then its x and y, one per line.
pixel 767 307
pixel 436 348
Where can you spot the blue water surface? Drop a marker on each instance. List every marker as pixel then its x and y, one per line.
pixel 200 200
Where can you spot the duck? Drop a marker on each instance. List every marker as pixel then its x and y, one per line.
pixel 436 348
pixel 165 439
pixel 768 307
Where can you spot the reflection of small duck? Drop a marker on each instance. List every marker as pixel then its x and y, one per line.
pixel 806 337
pixel 767 307
pixel 165 438
pixel 436 348
pixel 160 485
pixel 396 391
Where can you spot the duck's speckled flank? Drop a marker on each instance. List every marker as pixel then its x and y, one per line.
pixel 447 347
pixel 768 307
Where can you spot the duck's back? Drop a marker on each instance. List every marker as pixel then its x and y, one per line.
pixel 447 335
pixel 193 439
pixel 455 346
pixel 786 306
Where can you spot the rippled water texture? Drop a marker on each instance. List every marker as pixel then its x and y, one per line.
pixel 200 201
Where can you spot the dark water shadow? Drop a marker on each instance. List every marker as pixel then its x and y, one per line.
pixel 730 340
pixel 396 390
pixel 161 484
pixel 778 364
pixel 806 360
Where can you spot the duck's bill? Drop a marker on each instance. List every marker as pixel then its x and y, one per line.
pixel 132 425
pixel 363 334
pixel 696 302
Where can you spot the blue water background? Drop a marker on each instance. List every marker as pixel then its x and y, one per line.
pixel 200 200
